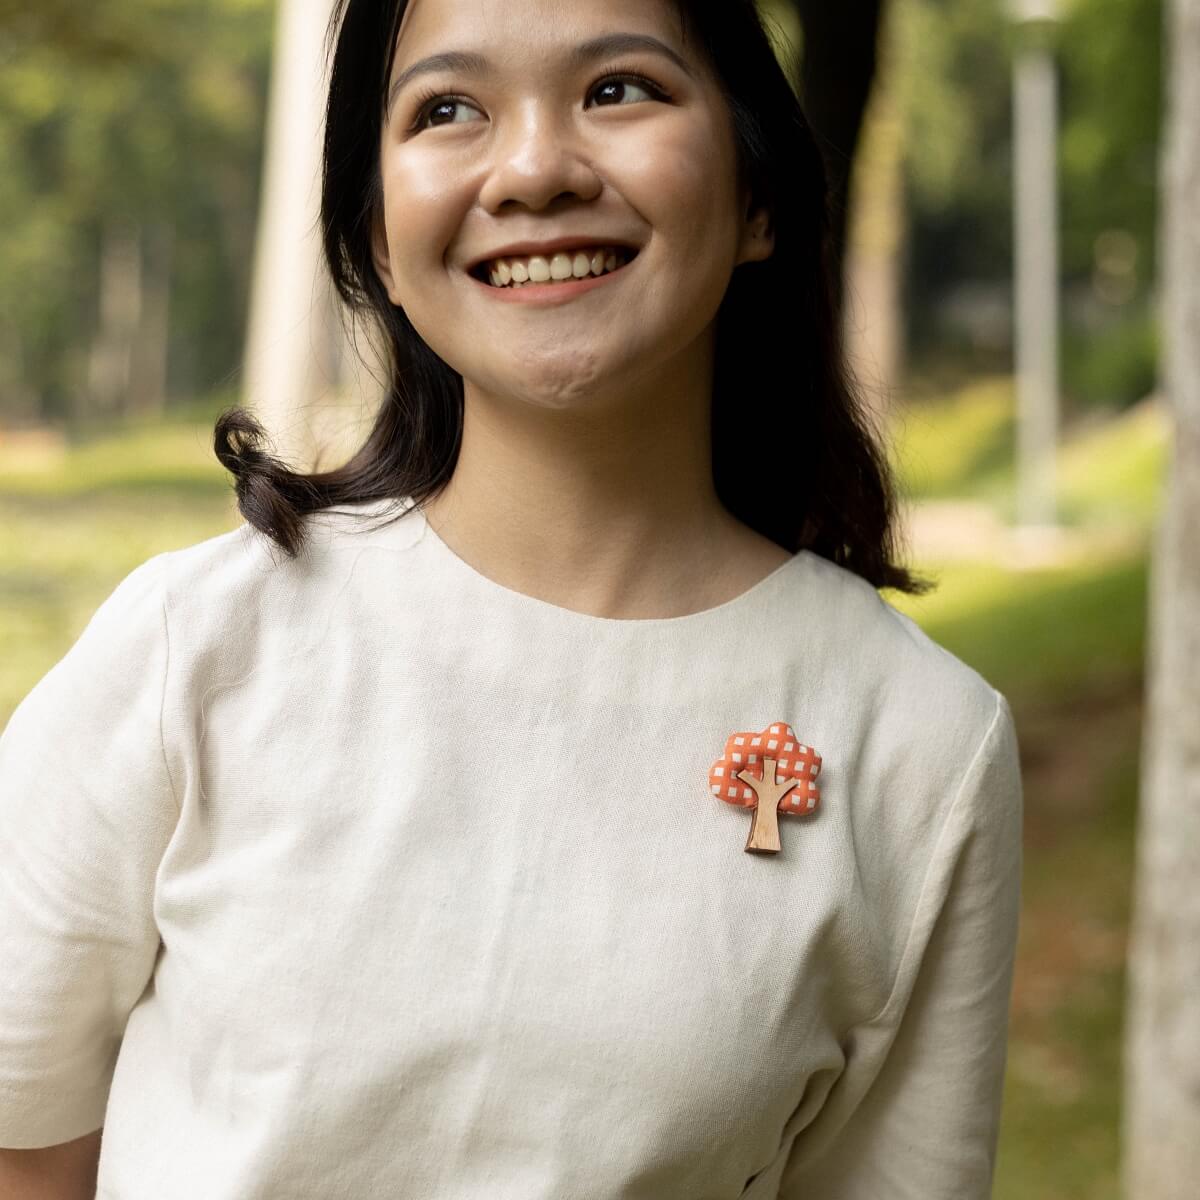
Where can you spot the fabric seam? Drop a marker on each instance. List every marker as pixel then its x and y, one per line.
pixel 933 859
pixel 162 703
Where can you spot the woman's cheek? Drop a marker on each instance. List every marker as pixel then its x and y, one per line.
pixel 685 189
pixel 421 203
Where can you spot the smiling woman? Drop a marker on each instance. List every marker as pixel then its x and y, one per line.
pixel 461 140
pixel 416 862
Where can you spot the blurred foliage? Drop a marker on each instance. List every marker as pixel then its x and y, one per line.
pixel 955 64
pixel 150 113
pixel 955 68
pixel 139 111
pixel 1111 98
pixel 1114 363
pixel 1109 470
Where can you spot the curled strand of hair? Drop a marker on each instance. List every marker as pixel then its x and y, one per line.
pixel 272 498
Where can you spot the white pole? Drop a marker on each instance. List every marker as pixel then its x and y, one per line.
pixel 291 341
pixel 1035 231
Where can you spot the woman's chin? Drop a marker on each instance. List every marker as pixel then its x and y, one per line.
pixel 562 385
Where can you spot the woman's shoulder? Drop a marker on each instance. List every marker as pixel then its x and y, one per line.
pixel 227 566
pixel 893 668
pixel 239 584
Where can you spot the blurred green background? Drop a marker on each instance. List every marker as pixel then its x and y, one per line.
pixel 131 136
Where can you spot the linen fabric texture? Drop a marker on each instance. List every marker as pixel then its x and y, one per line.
pixel 363 875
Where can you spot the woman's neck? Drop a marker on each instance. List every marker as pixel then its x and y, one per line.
pixel 605 517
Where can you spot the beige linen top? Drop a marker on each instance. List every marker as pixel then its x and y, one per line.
pixel 364 876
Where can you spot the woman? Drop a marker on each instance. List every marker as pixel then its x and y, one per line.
pixel 434 858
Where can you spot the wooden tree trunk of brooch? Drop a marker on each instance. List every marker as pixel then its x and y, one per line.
pixel 764 829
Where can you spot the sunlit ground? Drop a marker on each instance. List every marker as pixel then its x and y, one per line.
pixel 1064 641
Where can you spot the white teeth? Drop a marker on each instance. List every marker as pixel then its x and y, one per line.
pixel 560 267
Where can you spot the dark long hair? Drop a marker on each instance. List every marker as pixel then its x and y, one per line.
pixel 779 369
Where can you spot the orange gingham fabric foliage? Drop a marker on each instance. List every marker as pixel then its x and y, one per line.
pixel 744 751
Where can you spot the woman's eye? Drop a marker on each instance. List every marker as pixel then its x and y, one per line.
pixel 620 86
pixel 444 103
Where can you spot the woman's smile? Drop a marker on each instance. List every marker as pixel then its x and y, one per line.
pixel 542 281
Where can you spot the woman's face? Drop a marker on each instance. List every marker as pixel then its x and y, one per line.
pixel 541 135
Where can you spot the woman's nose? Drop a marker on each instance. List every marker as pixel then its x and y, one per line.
pixel 537 157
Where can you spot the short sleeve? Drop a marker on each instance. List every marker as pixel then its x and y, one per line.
pixel 86 810
pixel 924 1124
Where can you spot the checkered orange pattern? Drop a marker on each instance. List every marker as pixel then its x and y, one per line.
pixel 793 760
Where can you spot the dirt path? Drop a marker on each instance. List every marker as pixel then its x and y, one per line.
pixel 969 529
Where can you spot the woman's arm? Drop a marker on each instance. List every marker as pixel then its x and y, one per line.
pixel 927 1127
pixel 87 807
pixel 65 1172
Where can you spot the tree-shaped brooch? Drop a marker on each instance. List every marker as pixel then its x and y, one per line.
pixel 770 772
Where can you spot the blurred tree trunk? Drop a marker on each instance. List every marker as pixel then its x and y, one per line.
pixel 876 237
pixel 20 401
pixel 110 361
pixel 853 106
pixel 836 73
pixel 148 370
pixel 293 339
pixel 1161 1116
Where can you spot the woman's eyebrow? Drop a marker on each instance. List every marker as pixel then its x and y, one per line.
pixel 469 62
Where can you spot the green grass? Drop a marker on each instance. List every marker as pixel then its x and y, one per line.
pixel 161 458
pixel 1115 472
pixel 74 521
pixel 1041 636
pixel 60 557
pixel 954 446
pixel 963 447
pixel 1060 1131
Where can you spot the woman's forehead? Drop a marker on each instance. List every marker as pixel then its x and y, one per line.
pixel 539 30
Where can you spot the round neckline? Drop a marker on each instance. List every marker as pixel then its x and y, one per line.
pixel 536 604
